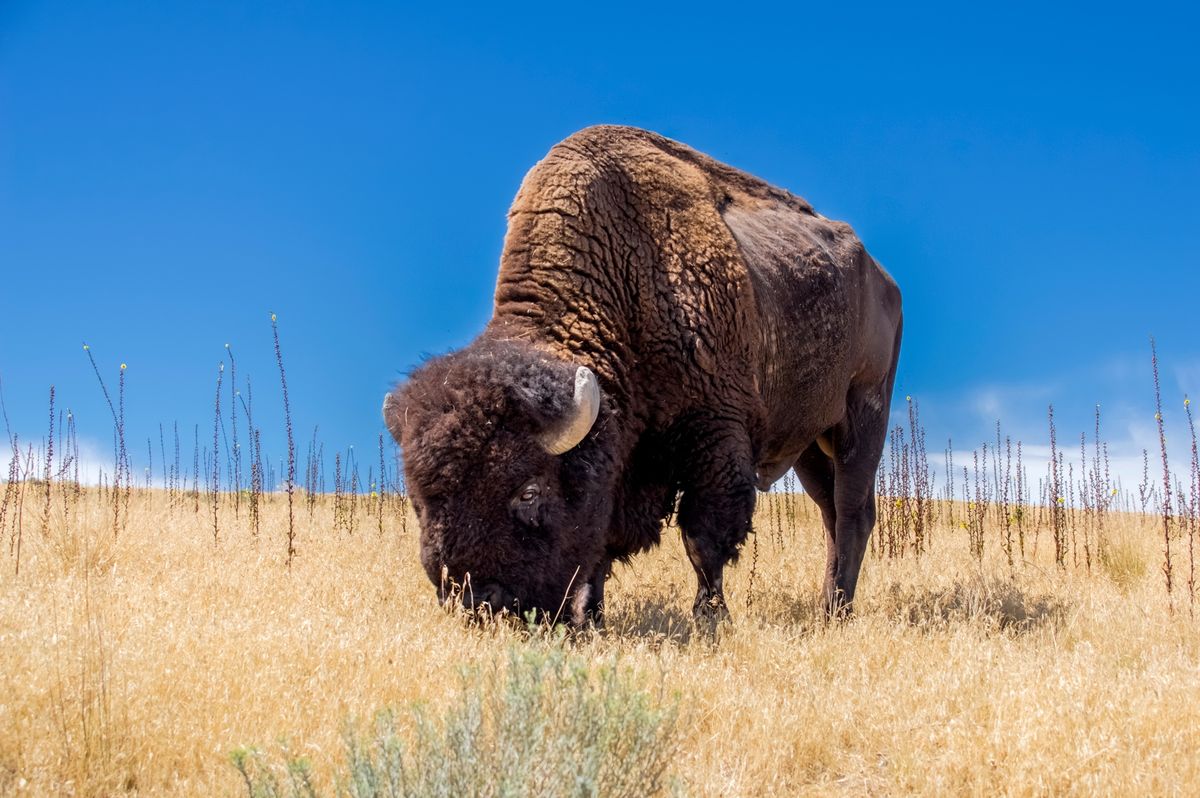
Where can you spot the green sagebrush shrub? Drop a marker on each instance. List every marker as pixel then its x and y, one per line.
pixel 549 724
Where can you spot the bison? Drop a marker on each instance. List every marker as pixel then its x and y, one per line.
pixel 669 335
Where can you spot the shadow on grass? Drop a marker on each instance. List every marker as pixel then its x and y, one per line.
pixel 997 603
pixel 656 619
pixel 997 606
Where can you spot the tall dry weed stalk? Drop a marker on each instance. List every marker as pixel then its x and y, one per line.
pixel 256 467
pixel 904 489
pixel 236 465
pixel 10 495
pixel 123 463
pixel 291 445
pixel 48 470
pixel 1101 484
pixel 310 474
pixel 337 490
pixel 381 489
pixel 195 469
pixel 75 488
pixel 175 486
pixel 1194 506
pixel 977 508
pixel 121 469
pixel 1166 497
pixel 19 515
pixel 1085 501
pixel 352 464
pixel 162 451
pixel 10 485
pixel 215 484
pixel 1021 487
pixel 1057 498
pixel 256 484
pixel 1144 487
pixel 1006 515
pixel 922 512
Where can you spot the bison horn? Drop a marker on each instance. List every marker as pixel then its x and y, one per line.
pixel 388 399
pixel 567 435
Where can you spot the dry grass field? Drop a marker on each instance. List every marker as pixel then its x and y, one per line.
pixel 137 662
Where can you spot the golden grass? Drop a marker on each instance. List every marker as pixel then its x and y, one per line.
pixel 138 664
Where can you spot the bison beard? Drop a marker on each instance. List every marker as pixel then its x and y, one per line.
pixel 668 331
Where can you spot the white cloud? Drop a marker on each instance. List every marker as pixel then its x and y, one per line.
pixel 94 459
pixel 993 403
pixel 1127 419
pixel 1187 378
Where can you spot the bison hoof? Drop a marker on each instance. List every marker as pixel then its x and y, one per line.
pixel 838 607
pixel 591 622
pixel 710 608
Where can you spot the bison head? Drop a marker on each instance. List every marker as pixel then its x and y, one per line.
pixel 506 466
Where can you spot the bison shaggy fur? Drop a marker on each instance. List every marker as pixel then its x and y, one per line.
pixel 733 332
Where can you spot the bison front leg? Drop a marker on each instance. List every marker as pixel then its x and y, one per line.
pixel 594 609
pixel 715 512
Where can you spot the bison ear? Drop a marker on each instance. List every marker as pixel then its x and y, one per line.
pixel 581 415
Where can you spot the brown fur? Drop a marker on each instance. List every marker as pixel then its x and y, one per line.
pixel 734 331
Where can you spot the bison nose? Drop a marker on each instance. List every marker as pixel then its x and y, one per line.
pixel 490 596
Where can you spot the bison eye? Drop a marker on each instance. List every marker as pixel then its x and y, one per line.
pixel 526 506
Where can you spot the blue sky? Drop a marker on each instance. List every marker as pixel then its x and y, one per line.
pixel 170 174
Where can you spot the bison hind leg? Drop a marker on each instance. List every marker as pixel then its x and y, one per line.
pixel 858 444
